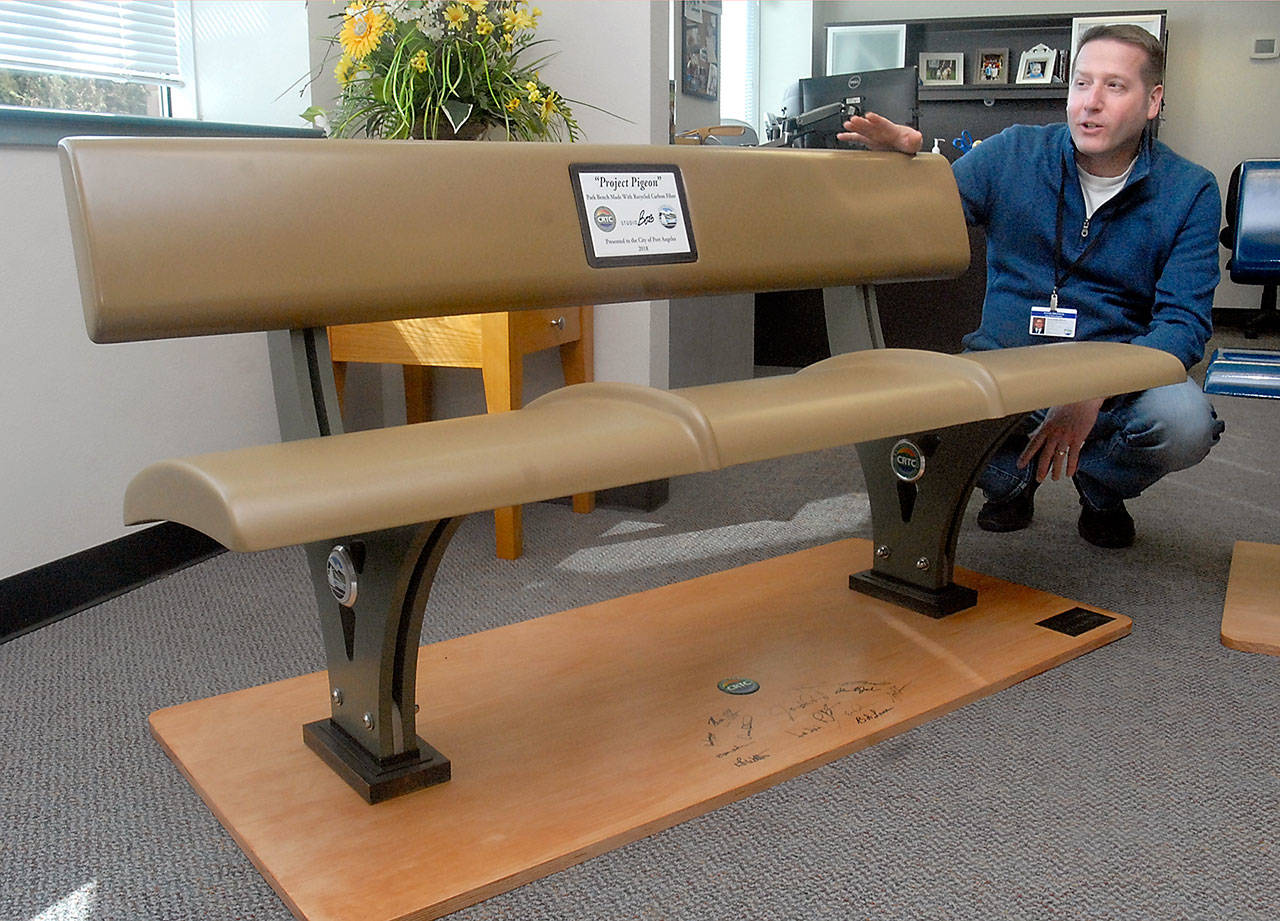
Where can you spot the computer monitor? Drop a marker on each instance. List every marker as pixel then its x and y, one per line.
pixel 892 93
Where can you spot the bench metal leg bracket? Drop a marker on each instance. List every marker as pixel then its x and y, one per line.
pixel 919 485
pixel 376 780
pixel 372 591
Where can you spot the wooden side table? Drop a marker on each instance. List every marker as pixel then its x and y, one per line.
pixel 496 343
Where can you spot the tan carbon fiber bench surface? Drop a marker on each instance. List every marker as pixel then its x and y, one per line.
pixel 595 436
pixel 208 236
pixel 258 252
pixel 267 240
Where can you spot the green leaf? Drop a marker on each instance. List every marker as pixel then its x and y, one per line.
pixel 312 113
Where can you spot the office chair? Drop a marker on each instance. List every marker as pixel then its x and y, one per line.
pixel 1253 234
pixel 728 134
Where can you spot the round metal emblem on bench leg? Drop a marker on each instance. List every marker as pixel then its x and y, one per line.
pixel 372 592
pixel 919 486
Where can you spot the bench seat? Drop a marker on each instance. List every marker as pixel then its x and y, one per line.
pixel 600 435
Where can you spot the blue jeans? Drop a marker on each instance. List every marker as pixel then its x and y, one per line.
pixel 1138 438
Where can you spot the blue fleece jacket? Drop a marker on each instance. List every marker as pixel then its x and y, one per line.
pixel 1149 274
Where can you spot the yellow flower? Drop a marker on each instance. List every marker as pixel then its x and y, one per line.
pixel 419 61
pixel 483 25
pixel 477 6
pixel 362 29
pixel 345 71
pixel 455 16
pixel 523 20
pixel 509 40
pixel 513 103
pixel 509 19
pixel 549 107
pixel 532 92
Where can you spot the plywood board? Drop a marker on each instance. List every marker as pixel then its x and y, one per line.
pixel 1251 611
pixel 577 732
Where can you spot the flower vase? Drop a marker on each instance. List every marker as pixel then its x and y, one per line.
pixel 471 130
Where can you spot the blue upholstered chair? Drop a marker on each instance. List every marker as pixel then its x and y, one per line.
pixel 1253 236
pixel 1253 233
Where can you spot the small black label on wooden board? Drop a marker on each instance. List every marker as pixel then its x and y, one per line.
pixel 1075 621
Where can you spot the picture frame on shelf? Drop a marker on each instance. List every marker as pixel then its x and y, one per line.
pixel 992 66
pixel 942 68
pixel 700 48
pixel 1037 65
pixel 1152 22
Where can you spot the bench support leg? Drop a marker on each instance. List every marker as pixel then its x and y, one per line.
pixel 372 590
pixel 919 486
pixel 853 319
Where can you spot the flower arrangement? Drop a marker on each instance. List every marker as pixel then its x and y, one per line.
pixel 443 69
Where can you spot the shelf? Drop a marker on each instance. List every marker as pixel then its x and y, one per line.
pixel 970 91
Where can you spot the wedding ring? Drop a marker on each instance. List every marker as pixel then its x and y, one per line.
pixel 1061 453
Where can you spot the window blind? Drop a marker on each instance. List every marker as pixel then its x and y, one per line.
pixel 132 41
pixel 751 102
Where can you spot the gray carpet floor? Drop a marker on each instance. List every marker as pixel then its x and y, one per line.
pixel 1141 781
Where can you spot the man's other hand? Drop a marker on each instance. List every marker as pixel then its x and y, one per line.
pixel 1059 439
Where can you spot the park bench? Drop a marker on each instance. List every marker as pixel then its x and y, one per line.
pixel 196 237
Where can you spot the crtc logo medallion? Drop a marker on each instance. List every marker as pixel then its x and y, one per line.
pixel 605 219
pixel 907 461
pixel 340 572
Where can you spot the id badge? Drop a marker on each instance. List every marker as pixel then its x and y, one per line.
pixel 1059 324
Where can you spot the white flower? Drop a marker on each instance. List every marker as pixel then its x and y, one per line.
pixel 401 11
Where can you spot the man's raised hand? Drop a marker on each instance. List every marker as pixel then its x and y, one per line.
pixel 881 134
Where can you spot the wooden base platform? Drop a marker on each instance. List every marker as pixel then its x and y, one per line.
pixel 577 732
pixel 1251 611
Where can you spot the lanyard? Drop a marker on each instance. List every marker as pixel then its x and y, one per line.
pixel 1060 275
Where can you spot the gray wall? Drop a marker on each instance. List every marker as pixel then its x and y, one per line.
pixel 1220 106
pixel 81 419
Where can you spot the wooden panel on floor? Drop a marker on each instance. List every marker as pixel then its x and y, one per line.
pixel 577 732
pixel 1251 611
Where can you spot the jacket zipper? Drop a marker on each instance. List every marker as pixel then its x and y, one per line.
pixel 1110 203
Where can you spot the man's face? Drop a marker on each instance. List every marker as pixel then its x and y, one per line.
pixel 1108 105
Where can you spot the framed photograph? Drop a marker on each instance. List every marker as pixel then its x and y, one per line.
pixel 942 68
pixel 993 66
pixel 700 48
pixel 1152 22
pixel 1036 65
pixel 855 48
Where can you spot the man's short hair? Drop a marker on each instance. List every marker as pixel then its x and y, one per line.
pixel 1153 69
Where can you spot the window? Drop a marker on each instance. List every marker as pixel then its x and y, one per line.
pixel 739 57
pixel 90 56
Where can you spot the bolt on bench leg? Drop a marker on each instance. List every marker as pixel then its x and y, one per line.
pixel 919 486
pixel 372 591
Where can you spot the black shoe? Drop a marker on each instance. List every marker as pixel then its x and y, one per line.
pixel 1012 514
pixel 1111 528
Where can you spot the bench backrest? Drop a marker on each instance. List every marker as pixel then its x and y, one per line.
pixel 197 236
